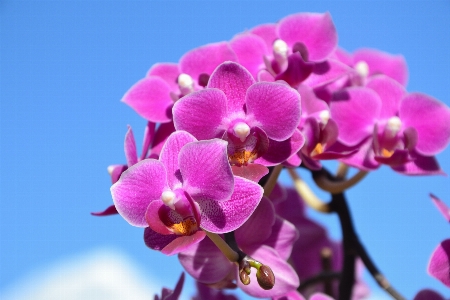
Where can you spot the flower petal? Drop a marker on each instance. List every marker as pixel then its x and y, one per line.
pixel 150 98
pixel 355 111
pixel 157 241
pixel 136 188
pixel 427 294
pixel 326 72
pixel 169 156
pixel 420 165
pixel 130 148
pixel 154 219
pixel 315 31
pixel 182 243
pixel 275 107
pixel 225 216
pixel 205 262
pixel 149 135
pixel 204 59
pixel 111 210
pixel 282 237
pixel 443 208
pixel 234 80
pixel 439 266
pixel 380 62
pixel 115 171
pixel 162 133
pixel 253 172
pixel 201 113
pixel 391 93
pixel 297 70
pixel 279 152
pixel 169 72
pixel 268 32
pixel 205 170
pixel 431 120
pixel 250 50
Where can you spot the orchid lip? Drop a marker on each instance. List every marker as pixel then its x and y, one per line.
pixel 362 68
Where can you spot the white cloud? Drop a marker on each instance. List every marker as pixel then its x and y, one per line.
pixel 101 274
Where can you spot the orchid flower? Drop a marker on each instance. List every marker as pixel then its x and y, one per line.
pixel 191 187
pixel 154 96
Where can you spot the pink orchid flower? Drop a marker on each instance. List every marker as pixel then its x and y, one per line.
pixel 191 187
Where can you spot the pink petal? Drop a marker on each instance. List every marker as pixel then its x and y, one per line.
pixel 363 159
pixel 342 56
pixel 149 135
pixel 182 243
pixel 428 294
pixel 150 98
pixel 204 59
pixel 169 72
pixel 297 70
pixel 253 172
pixel 380 62
pixel 439 266
pixel 157 241
pixel 442 207
pixel 130 148
pixel 286 279
pixel 153 217
pixel 320 296
pixel 431 120
pixel 355 111
pixel 315 31
pixel 226 216
pixel 275 107
pixel 268 32
pixel 136 188
pixel 327 72
pixel 265 75
pixel 111 210
pixel 169 156
pixel 205 170
pixel 420 165
pixel 162 133
pixel 310 103
pixel 205 262
pixel 293 295
pixel 279 152
pixel 177 291
pixel 259 226
pixel 115 171
pixel 282 237
pixel 250 50
pixel 391 93
pixel 233 80
pixel 201 113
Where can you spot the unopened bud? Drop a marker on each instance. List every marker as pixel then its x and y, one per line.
pixel 265 277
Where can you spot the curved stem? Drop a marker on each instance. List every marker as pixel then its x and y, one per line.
pixel 341 171
pixel 229 253
pixel 272 181
pixel 307 194
pixel 336 187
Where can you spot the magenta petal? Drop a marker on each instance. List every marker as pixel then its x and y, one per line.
pixel 259 226
pixel 169 156
pixel 225 216
pixel 297 71
pixel 430 118
pixel 399 157
pixel 204 59
pixel 177 291
pixel 268 32
pixel 115 171
pixel 154 219
pixel 265 75
pixel 443 208
pixel 327 72
pixel 275 107
pixel 162 133
pixel 355 111
pixel 201 113
pixel 391 93
pixel 150 97
pixel 320 296
pixel 149 135
pixel 157 241
pixel 169 72
pixel 380 62
pixel 420 165
pixel 233 80
pixel 205 170
pixel 205 262
pixel 315 31
pixel 310 103
pixel 279 152
pixel 363 159
pixel 250 50
pixel 286 279
pixel 282 237
pixel 439 266
pixel 183 242
pixel 130 148
pixel 253 172
pixel 427 294
pixel 136 188
pixel 111 210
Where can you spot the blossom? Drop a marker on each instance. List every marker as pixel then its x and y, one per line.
pixel 190 187
pixel 259 120
pixel 154 96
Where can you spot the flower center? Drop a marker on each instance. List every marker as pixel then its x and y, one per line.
pixel 185 83
pixel 186 227
pixel 393 126
pixel 317 150
pixel 362 68
pixel 324 116
pixel 241 130
pixel 168 197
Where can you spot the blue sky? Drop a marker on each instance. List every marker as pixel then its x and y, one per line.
pixel 65 66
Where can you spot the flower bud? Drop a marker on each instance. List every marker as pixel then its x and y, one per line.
pixel 243 276
pixel 265 277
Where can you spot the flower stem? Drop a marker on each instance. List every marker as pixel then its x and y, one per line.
pixel 229 253
pixel 272 181
pixel 336 187
pixel 307 194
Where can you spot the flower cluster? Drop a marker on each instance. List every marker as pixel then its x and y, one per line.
pixel 224 121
